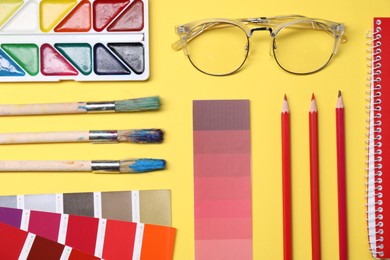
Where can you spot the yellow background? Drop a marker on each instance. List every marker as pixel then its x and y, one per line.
pixel 178 83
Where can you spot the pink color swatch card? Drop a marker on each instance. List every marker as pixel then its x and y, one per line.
pixel 222 180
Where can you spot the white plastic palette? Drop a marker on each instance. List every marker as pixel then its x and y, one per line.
pixel 83 40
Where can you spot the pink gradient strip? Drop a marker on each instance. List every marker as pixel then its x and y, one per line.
pixel 223 228
pixel 222 180
pixel 217 249
pixel 223 209
pixel 214 191
pixel 225 142
pixel 217 165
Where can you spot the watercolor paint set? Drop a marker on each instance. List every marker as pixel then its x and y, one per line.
pixel 103 238
pixel 82 40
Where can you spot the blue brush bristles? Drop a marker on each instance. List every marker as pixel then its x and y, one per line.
pixel 142 165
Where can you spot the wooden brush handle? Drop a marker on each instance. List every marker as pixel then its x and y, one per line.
pixel 45 166
pixel 44 137
pixel 43 109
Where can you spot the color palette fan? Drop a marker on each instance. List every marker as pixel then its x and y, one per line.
pixel 51 40
pixel 110 239
pixel 111 224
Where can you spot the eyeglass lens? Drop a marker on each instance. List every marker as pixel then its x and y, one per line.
pixel 301 49
pixel 219 50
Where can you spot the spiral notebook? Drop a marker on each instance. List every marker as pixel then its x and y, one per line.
pixel 379 141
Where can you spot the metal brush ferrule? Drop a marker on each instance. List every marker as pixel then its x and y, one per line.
pixel 105 166
pixel 105 136
pixel 100 106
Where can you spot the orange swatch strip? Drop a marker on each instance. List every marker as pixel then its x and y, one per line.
pixel 158 243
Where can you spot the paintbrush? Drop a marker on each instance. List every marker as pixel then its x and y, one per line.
pixel 122 166
pixel 139 136
pixel 127 105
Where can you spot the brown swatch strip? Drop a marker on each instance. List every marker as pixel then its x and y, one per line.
pixel 79 204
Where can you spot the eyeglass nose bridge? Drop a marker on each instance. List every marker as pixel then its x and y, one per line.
pixel 260 29
pixel 271 34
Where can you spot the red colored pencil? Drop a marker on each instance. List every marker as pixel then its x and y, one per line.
pixel 341 182
pixel 314 182
pixel 286 176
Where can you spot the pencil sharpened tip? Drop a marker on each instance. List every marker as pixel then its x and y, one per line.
pixel 340 103
pixel 339 94
pixel 313 104
pixel 285 108
pixel 142 165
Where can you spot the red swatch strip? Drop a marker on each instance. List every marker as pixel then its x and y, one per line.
pixel 222 179
pixel 82 233
pixel 117 238
pixel 14 243
pixel 121 235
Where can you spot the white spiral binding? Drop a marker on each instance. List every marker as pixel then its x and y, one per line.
pixel 374 180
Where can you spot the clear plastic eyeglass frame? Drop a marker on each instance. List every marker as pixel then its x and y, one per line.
pixel 274 25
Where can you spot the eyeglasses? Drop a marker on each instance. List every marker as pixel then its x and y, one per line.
pixel 300 45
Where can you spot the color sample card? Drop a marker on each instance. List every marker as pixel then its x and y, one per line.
pixel 110 239
pixel 85 40
pixel 222 180
pixel 147 206
pixel 19 244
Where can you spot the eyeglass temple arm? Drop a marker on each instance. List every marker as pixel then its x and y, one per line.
pixel 179 44
pixel 278 20
pixel 271 21
pixel 265 21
